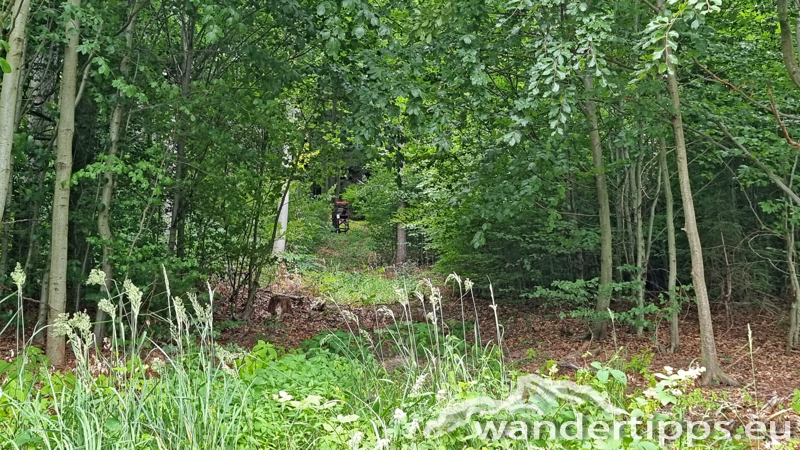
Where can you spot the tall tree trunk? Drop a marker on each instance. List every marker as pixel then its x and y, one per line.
pixel 9 97
pixel 279 246
pixel 606 260
pixel 708 344
pixel 44 307
pixel 103 217
pixel 787 47
pixel 793 337
pixel 60 216
pixel 674 330
pixel 178 198
pixel 641 262
pixel 402 238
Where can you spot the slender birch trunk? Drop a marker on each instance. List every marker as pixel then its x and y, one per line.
pixel 279 246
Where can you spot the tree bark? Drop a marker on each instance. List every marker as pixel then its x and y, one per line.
pixel 641 262
pixel 279 246
pixel 793 336
pixel 44 307
pixel 708 344
pixel 104 216
pixel 402 238
pixel 606 260
pixel 674 329
pixel 178 198
pixel 9 97
pixel 57 290
pixel 787 47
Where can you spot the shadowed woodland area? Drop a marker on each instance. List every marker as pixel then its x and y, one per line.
pixel 322 224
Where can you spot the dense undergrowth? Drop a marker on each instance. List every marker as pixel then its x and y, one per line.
pixel 338 392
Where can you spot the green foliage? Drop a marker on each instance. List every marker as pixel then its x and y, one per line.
pixel 377 200
pixel 337 342
pixel 367 287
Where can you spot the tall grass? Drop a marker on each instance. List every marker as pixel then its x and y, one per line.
pixel 122 395
pixel 132 392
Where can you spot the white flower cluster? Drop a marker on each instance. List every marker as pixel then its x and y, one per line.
pixel 413 427
pixel 356 439
pixel 134 294
pixel 180 312
pixel 348 315
pixel 18 275
pixel 96 278
pixel 203 312
pixel 386 312
pixel 402 296
pixel 399 414
pixel 418 384
pixel 671 382
pixel 107 307
pixel 158 365
pixel 691 374
pixel 79 326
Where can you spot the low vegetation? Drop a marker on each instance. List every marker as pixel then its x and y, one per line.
pixel 339 392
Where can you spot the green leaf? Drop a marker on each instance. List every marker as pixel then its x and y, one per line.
pixel 602 376
pixel 346 419
pixel 5 65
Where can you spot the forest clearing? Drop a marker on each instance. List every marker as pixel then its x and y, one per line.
pixel 292 224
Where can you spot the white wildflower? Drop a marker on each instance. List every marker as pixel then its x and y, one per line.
pixel 413 427
pixel 399 414
pixel 677 392
pixel 158 365
pixel 441 394
pixel 668 370
pixel 282 397
pixel 553 370
pixel 382 444
pixel 468 284
pixel 418 384
pixel 356 439
pixel 18 276
pixel 96 278
pixel 430 317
